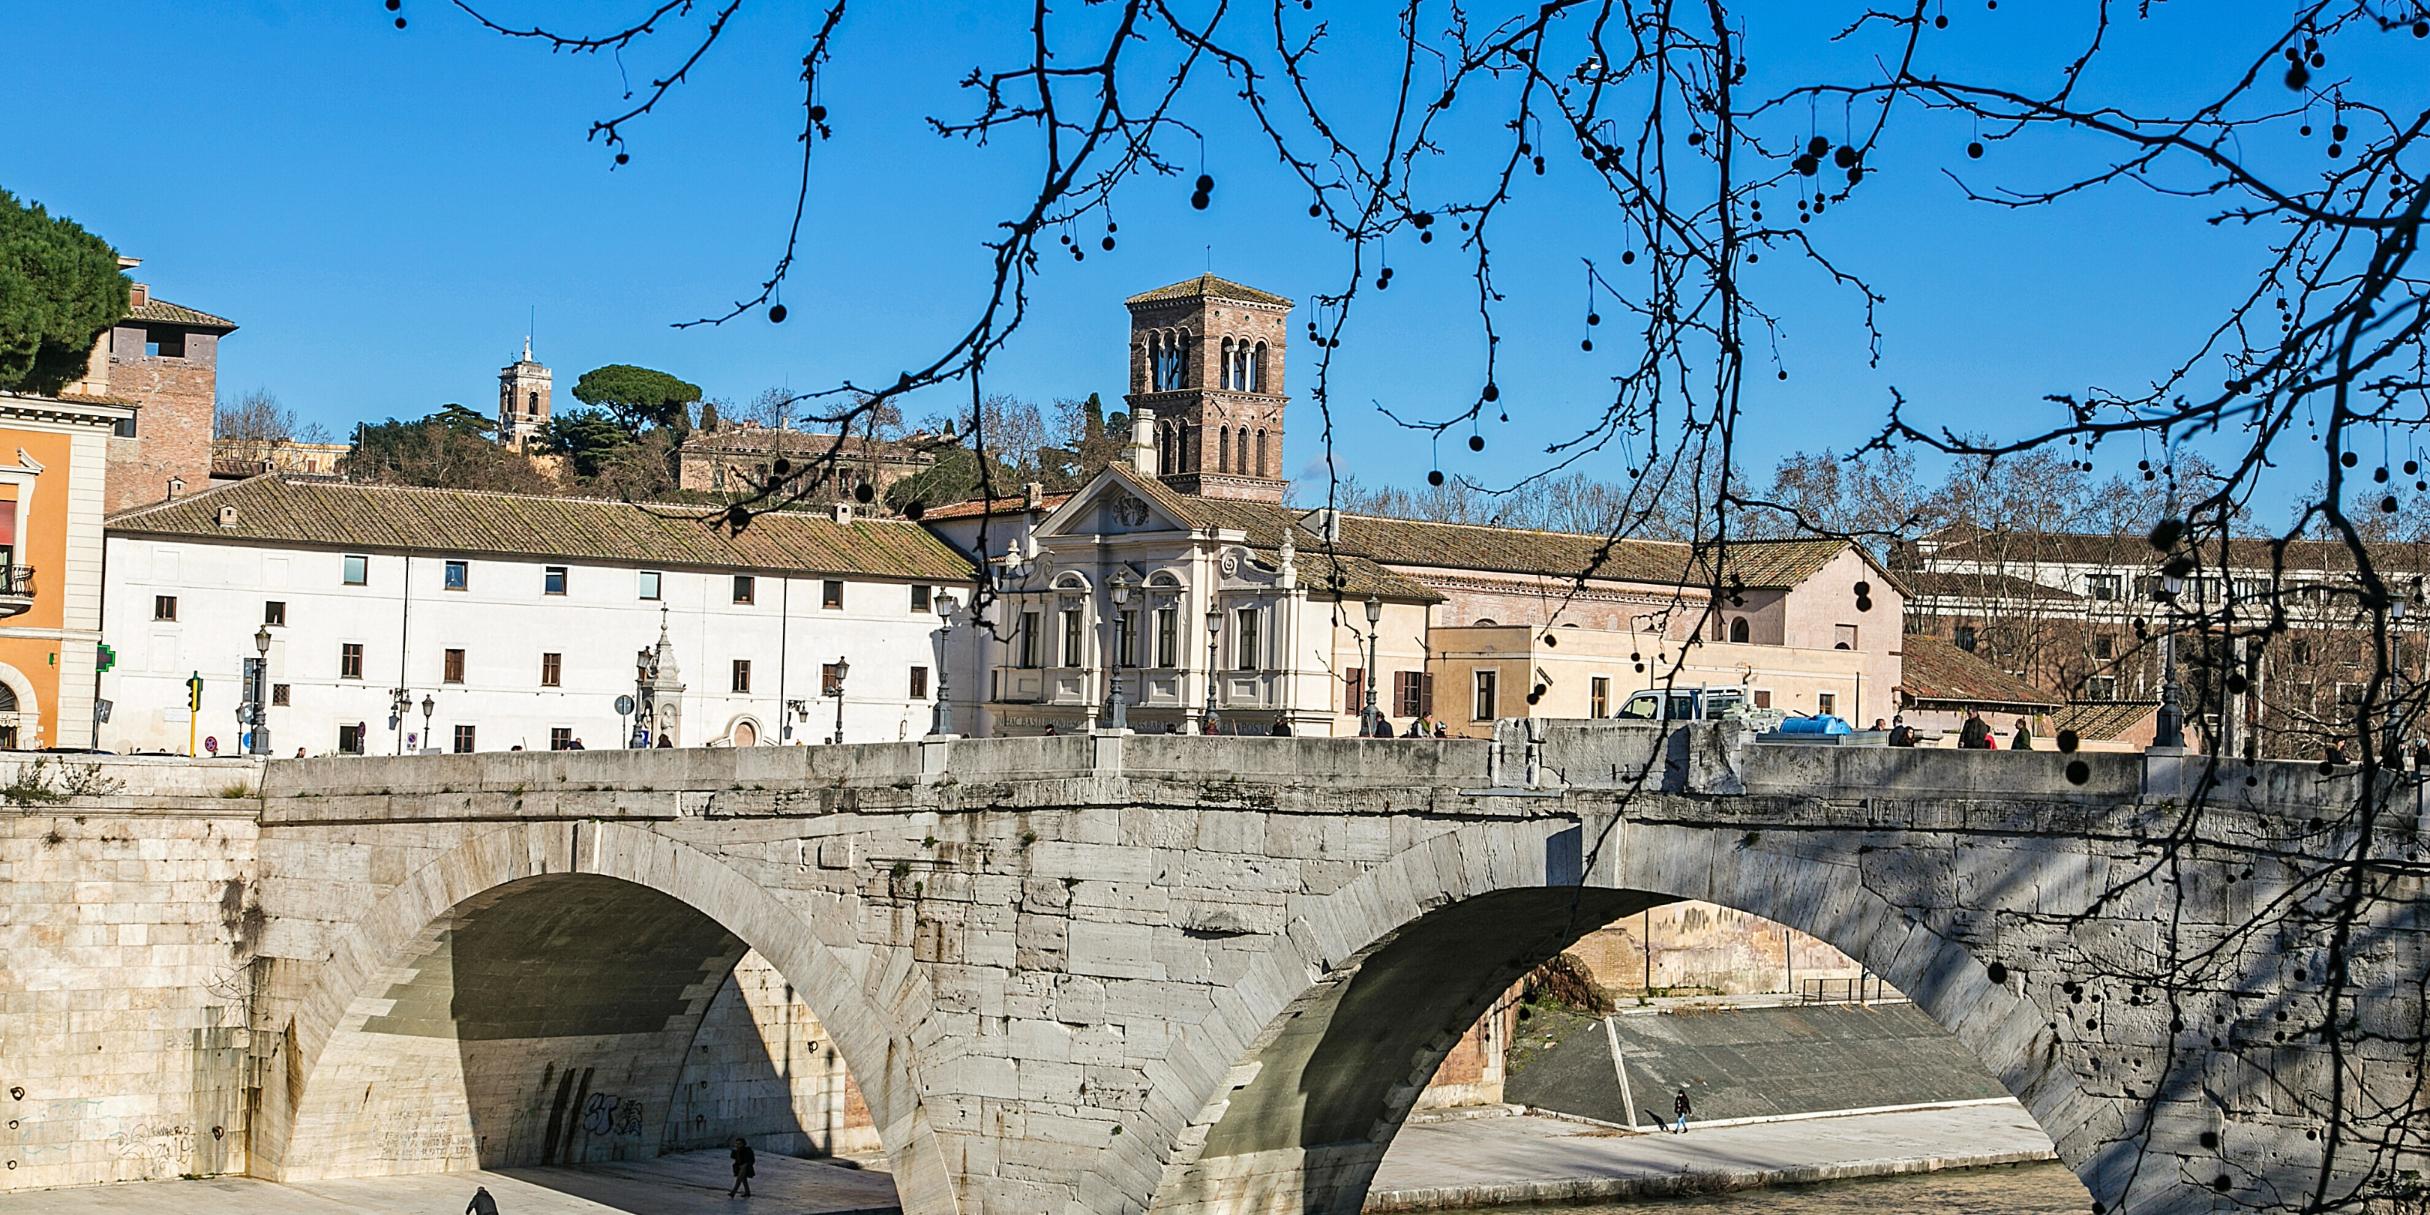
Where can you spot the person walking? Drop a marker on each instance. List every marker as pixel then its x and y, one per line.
pixel 745 1164
pixel 1974 735
pixel 1280 729
pixel 1679 1105
pixel 482 1203
pixel 2023 739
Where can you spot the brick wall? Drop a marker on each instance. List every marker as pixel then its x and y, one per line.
pixel 173 430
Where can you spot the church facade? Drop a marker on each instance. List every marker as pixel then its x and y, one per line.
pixel 1176 590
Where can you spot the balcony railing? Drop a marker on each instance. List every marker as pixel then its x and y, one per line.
pixel 16 589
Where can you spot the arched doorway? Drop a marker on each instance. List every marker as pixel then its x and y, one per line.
pixel 501 1008
pixel 20 712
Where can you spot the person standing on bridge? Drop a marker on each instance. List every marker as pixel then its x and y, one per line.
pixel 2023 740
pixel 745 1164
pixel 1679 1104
pixel 1974 735
pixel 482 1203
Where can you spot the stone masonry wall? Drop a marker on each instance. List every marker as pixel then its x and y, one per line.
pixel 762 1067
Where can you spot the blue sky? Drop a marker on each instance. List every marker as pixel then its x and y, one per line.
pixel 380 210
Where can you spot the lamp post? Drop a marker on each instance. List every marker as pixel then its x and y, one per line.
pixel 2169 732
pixel 1120 589
pixel 948 611
pixel 400 702
pixel 429 706
pixel 1214 630
pixel 843 667
pixel 1375 616
pixel 261 691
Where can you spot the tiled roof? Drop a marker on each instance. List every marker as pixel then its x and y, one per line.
pixel 975 507
pixel 158 311
pixel 2096 721
pixel 335 514
pixel 1957 585
pixel 1752 564
pixel 1934 670
pixel 1207 285
pixel 1988 547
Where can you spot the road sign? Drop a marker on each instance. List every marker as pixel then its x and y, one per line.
pixel 211 744
pixel 624 705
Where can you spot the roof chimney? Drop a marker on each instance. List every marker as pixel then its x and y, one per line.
pixel 1033 496
pixel 139 295
pixel 227 518
pixel 841 512
pixel 1143 442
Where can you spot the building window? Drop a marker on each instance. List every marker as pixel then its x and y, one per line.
pixel 1027 641
pixel 2105 647
pixel 164 607
pixel 278 694
pixel 358 570
pixel 350 739
pixel 1843 637
pixel 2106 587
pixel 164 343
pixel 649 584
pixel 552 669
pixel 274 611
pixel 124 428
pixel 458 576
pixel 746 588
pixel 1763 698
pixel 742 674
pixel 1410 694
pixel 1354 690
pixel 560 738
pixel 451 669
pixel 2300 650
pixel 1963 636
pixel 1071 637
pixel 1245 651
pixel 1126 626
pixel 2101 687
pixel 830 679
pixel 464 740
pixel 552 580
pixel 1599 696
pixel 920 597
pixel 350 660
pixel 1168 635
pixel 1487 691
pixel 1738 630
pixel 919 683
pixel 831 594
pixel 1826 703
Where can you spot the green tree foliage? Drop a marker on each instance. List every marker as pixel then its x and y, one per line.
pixel 638 398
pixel 449 448
pixel 709 418
pixel 60 286
pixel 953 478
pixel 590 438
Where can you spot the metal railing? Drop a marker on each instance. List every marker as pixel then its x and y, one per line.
pixel 1855 989
pixel 17 581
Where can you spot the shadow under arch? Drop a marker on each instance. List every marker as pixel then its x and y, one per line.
pixel 602 941
pixel 1394 967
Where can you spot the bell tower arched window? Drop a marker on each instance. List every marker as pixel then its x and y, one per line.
pixel 1738 629
pixel 1223 449
pixel 1261 453
pixel 1242 463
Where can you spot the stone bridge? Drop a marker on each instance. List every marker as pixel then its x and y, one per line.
pixel 1122 973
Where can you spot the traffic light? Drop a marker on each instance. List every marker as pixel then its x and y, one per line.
pixel 194 692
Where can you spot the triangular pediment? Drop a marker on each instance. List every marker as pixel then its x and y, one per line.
pixel 1116 501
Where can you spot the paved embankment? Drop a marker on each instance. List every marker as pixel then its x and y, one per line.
pixel 1463 1163
pixel 1743 1062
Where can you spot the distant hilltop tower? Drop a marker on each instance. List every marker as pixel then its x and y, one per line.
pixel 1207 365
pixel 523 390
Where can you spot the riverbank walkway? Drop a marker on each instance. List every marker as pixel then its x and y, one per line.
pixel 1440 1164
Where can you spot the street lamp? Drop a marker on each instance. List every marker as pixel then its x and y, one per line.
pixel 261 691
pixel 1121 590
pixel 949 611
pixel 2169 731
pixel 843 667
pixel 1214 630
pixel 429 706
pixel 400 702
pixel 1375 616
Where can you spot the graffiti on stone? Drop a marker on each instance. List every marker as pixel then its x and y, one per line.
pixel 605 1114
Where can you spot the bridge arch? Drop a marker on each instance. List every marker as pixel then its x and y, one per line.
pixel 1317 1054
pixel 368 1091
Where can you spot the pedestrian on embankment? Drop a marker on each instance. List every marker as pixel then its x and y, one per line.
pixel 745 1164
pixel 1679 1105
pixel 2023 739
pixel 482 1203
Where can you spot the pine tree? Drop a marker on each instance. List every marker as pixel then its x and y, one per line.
pixel 60 287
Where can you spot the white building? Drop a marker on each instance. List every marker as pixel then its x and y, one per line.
pixel 519 620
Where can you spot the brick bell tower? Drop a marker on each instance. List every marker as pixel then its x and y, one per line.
pixel 1207 368
pixel 523 392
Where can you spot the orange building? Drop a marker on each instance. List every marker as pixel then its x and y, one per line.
pixel 54 455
